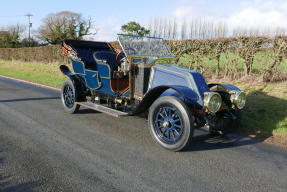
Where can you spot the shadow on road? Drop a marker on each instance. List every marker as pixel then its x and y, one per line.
pixel 8 185
pixel 87 111
pixel 29 99
pixel 205 141
pixel 202 140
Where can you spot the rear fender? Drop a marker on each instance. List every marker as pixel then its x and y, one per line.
pixel 66 71
pixel 77 80
pixel 74 77
pixel 184 93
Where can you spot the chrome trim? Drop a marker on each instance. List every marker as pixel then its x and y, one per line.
pixel 234 97
pixel 206 101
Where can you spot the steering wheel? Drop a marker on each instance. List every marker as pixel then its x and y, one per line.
pixel 122 52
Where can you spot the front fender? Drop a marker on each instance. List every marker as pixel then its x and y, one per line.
pixel 224 87
pixel 225 91
pixel 184 93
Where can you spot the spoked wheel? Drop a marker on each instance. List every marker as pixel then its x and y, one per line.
pixel 170 123
pixel 69 97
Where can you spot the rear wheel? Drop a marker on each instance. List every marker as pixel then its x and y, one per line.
pixel 68 96
pixel 171 123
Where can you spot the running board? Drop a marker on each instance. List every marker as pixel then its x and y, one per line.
pixel 103 109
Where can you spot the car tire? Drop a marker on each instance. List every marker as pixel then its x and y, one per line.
pixel 69 97
pixel 171 123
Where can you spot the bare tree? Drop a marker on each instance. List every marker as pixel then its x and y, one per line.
pixel 64 25
pixel 174 29
pixel 155 27
pixel 151 26
pixel 165 28
pixel 279 31
pixel 11 36
pixel 183 30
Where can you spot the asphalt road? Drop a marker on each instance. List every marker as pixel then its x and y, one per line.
pixel 42 148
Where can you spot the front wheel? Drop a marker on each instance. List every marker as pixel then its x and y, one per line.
pixel 68 96
pixel 170 123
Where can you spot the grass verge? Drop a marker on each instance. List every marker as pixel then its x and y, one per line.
pixel 47 74
pixel 265 115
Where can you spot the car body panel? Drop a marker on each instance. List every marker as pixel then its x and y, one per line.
pixel 225 86
pixel 164 74
pixel 184 93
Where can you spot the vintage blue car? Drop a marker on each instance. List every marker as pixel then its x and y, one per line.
pixel 139 78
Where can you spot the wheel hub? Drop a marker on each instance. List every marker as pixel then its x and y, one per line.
pixel 166 124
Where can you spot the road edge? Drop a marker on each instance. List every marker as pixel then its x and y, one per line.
pixel 30 82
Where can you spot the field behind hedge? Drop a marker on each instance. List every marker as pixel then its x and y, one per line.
pixel 229 58
pixel 235 57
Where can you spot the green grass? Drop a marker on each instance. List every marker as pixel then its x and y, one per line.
pixel 265 113
pixel 266 109
pixel 47 74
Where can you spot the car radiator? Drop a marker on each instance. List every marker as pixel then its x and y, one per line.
pixel 141 81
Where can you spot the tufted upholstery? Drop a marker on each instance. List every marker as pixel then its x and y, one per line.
pixel 108 56
pixel 86 55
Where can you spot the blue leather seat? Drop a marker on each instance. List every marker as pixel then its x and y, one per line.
pixel 109 57
pixel 86 55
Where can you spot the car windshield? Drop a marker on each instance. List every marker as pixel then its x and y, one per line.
pixel 144 46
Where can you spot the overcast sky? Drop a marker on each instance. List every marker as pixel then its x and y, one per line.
pixel 109 15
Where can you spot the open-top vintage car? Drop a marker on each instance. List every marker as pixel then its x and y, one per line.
pixel 138 79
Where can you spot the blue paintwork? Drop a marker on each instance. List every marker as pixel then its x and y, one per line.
pixel 106 88
pixel 92 79
pixel 163 77
pixel 201 83
pixel 164 74
pixel 104 70
pixel 184 93
pixel 78 66
pixel 96 80
pixel 127 94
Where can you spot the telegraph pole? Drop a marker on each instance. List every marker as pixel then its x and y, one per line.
pixel 30 26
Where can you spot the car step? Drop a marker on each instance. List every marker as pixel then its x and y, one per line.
pixel 103 109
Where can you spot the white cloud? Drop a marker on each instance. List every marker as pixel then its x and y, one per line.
pixel 184 12
pixel 270 14
pixel 107 30
pixel 249 14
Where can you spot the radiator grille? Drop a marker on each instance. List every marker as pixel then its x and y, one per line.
pixel 141 80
